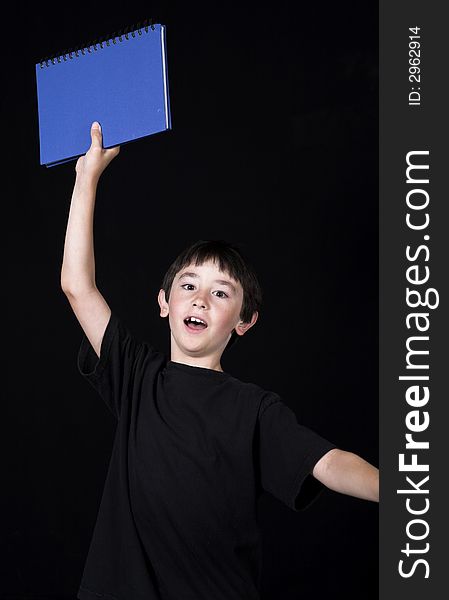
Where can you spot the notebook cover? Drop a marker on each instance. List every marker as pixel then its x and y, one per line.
pixel 123 86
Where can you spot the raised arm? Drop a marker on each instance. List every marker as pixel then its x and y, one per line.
pixel 348 473
pixel 78 265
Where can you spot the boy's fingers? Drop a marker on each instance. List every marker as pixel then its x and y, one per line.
pixel 95 133
pixel 112 152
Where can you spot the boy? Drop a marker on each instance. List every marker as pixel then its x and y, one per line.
pixel 194 446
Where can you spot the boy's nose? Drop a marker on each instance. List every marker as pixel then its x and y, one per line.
pixel 199 303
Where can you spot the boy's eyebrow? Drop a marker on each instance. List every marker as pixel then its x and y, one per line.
pixel 224 282
pixel 187 274
pixel 220 281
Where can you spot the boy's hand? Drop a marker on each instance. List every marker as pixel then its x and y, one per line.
pixel 96 159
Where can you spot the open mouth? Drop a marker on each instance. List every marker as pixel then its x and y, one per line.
pixel 195 323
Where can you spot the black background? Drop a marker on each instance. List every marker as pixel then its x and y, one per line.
pixel 274 147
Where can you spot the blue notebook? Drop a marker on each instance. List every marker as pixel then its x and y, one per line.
pixel 120 82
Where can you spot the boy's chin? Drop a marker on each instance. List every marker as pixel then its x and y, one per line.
pixel 197 349
pixel 189 346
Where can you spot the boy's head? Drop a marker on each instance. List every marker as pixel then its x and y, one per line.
pixel 209 280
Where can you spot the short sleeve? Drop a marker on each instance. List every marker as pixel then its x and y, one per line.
pixel 288 453
pixel 121 361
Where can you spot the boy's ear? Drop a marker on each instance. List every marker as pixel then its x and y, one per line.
pixel 242 327
pixel 162 303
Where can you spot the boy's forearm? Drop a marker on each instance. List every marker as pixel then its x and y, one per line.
pixel 348 473
pixel 78 265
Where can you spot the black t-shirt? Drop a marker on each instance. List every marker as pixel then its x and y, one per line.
pixel 193 450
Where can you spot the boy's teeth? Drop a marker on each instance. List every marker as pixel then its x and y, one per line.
pixel 195 320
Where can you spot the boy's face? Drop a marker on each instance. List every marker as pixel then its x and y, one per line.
pixel 216 299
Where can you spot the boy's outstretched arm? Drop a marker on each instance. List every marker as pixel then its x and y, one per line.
pixel 348 473
pixel 78 266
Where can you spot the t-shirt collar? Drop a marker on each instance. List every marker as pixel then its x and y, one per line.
pixel 195 370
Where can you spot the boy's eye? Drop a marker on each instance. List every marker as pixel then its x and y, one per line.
pixel 218 293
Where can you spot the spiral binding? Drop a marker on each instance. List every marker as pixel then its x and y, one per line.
pixel 90 47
